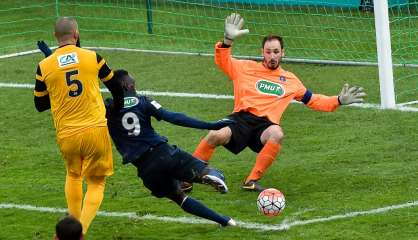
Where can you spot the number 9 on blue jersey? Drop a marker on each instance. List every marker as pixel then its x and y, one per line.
pixel 130 122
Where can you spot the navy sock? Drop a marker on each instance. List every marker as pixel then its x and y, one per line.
pixel 196 208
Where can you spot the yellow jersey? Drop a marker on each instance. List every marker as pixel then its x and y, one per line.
pixel 71 78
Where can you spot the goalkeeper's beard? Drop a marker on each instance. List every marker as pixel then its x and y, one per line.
pixel 272 64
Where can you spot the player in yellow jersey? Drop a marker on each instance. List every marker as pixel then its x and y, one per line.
pixel 262 92
pixel 67 82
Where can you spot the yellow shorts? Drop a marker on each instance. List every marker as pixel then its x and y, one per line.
pixel 88 153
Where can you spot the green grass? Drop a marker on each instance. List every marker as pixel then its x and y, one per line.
pixel 330 163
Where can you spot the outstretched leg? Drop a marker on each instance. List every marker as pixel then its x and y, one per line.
pixel 163 168
pixel 207 145
pixel 190 169
pixel 196 208
pixel 206 148
pixel 213 177
pixel 264 160
pixel 271 138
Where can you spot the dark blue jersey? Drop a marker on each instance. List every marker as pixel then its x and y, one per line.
pixel 130 128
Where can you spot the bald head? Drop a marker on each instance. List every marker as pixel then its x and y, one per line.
pixel 66 30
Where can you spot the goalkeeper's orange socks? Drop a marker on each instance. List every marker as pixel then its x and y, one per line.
pixel 92 200
pixel 74 194
pixel 264 159
pixel 204 150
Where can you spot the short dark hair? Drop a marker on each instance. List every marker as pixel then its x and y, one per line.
pixel 120 73
pixel 125 80
pixel 69 228
pixel 272 37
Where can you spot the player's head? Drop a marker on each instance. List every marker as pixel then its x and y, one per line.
pixel 68 228
pixel 273 51
pixel 126 81
pixel 66 31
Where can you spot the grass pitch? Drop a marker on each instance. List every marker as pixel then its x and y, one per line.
pixel 330 164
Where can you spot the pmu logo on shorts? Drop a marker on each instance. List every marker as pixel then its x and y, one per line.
pixel 67 59
pixel 269 88
pixel 130 102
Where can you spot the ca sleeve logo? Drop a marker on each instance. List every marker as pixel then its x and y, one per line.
pixel 67 59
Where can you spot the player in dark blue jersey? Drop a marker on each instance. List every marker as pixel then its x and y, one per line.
pixel 161 166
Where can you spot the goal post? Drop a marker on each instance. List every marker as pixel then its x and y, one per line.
pixel 384 54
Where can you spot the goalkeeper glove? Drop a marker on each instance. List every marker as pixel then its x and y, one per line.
pixel 351 95
pixel 44 48
pixel 233 25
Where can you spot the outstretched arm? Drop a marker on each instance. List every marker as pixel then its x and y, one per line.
pixel 324 103
pixel 233 28
pixel 349 95
pixel 44 48
pixel 186 121
pixel 109 80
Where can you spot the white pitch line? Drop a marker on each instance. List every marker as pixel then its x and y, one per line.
pixel 408 103
pixel 148 93
pixel 285 225
pixel 212 96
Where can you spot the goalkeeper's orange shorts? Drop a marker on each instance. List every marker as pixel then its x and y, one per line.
pixel 88 153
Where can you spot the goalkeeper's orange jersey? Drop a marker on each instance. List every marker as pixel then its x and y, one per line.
pixel 265 92
pixel 71 78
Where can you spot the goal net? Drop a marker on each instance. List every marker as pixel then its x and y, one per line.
pixel 325 32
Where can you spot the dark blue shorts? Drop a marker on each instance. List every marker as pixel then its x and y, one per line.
pixel 162 168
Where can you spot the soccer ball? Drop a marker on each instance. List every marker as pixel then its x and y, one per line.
pixel 271 202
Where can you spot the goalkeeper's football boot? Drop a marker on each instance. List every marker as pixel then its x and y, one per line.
pixel 216 179
pixel 252 185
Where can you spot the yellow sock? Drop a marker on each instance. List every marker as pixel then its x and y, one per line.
pixel 92 200
pixel 74 194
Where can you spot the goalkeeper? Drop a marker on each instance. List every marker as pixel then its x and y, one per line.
pixel 262 92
